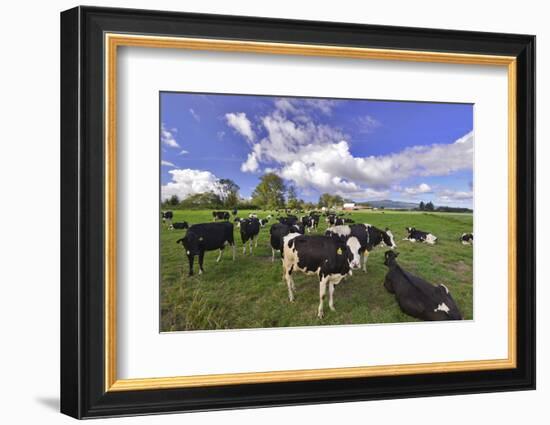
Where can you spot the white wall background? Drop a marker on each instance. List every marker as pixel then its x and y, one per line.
pixel 29 219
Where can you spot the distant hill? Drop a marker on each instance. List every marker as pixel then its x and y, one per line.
pixel 398 205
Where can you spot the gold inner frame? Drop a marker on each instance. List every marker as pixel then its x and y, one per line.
pixel 113 41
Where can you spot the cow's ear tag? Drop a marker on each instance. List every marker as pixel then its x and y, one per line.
pixel 339 251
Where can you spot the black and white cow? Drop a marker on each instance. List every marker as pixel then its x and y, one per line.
pixel 250 229
pixel 167 215
pixel 277 232
pixel 252 215
pixel 467 238
pixel 206 237
pixel 417 297
pixel 308 222
pixel 182 225
pixel 234 211
pixel 220 215
pixel 331 259
pixel 289 220
pixel 264 221
pixel 415 235
pixel 368 236
pixel 315 218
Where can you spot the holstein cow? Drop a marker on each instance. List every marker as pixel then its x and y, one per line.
pixel 416 235
pixel 250 228
pixel 277 232
pixel 207 237
pixel 329 258
pixel 308 222
pixel 220 215
pixel 289 220
pixel 183 225
pixel 416 297
pixel 369 237
pixel 467 238
pixel 264 221
pixel 167 215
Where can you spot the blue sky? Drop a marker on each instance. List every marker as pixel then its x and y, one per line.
pixel 360 149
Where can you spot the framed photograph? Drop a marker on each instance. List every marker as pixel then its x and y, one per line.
pixel 261 212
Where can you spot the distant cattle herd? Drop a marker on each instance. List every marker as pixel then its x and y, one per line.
pixel 344 247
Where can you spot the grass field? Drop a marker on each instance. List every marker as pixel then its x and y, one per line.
pixel 249 292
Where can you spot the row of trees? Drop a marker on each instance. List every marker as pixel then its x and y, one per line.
pixel 270 193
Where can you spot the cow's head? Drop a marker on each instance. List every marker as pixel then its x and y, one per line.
pixel 387 237
pixel 352 252
pixel 190 243
pixel 389 257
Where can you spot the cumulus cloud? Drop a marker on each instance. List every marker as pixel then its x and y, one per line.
pixel 417 190
pixel 167 163
pixel 240 123
pixel 183 152
pixel 187 182
pixel 167 136
pixel 194 115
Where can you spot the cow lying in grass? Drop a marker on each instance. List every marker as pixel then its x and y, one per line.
pixel 181 226
pixel 415 296
pixel 331 259
pixel 368 236
pixel 467 238
pixel 415 235
pixel 207 237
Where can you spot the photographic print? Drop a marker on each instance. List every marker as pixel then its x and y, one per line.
pixel 281 211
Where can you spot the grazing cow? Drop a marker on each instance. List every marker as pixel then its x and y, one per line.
pixel 417 297
pixel 220 215
pixel 183 225
pixel 167 215
pixel 419 236
pixel 334 220
pixel 277 232
pixel 331 259
pixel 369 237
pixel 250 228
pixel 264 221
pixel 206 237
pixel 289 220
pixel 467 238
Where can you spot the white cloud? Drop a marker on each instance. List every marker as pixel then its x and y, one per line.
pixel 220 135
pixel 417 190
pixel 241 124
pixel 167 137
pixel 367 124
pixel 194 114
pixel 448 195
pixel 183 152
pixel 187 182
pixel 167 163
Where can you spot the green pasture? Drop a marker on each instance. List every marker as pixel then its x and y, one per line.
pixel 250 293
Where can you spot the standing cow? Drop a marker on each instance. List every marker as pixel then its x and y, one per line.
pixel 220 215
pixel 416 297
pixel 277 232
pixel 331 259
pixel 167 216
pixel 206 237
pixel 368 236
pixel 250 229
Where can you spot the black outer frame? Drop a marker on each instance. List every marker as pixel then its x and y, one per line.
pixel 82 206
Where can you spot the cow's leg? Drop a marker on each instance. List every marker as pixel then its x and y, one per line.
pixel 322 292
pixel 256 241
pixel 219 255
pixel 250 245
pixel 272 255
pixel 365 258
pixel 234 249
pixel 289 282
pixel 201 260
pixel 331 295
pixel 191 259
pixel 244 247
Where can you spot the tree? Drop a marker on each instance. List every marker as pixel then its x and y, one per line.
pixel 270 192
pixel 327 200
pixel 429 206
pixel 174 200
pixel 292 198
pixel 202 200
pixel 229 192
pixel 421 206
